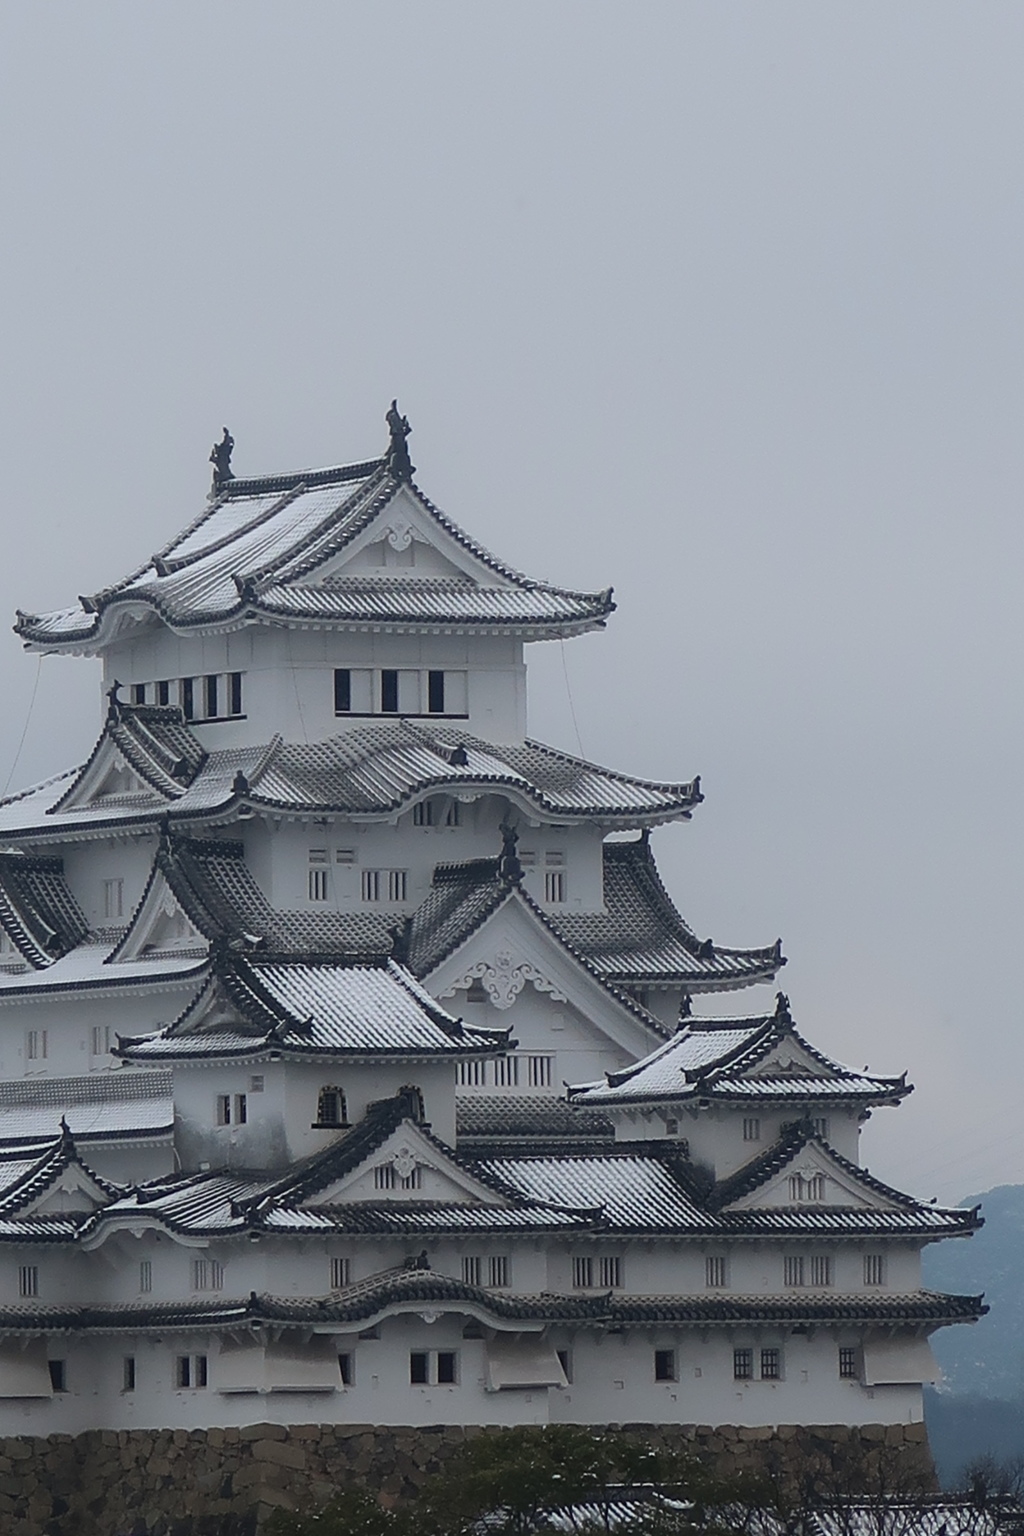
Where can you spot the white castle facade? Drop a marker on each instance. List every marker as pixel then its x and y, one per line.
pixel 294 972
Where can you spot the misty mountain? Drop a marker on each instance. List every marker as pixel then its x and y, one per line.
pixel 985 1359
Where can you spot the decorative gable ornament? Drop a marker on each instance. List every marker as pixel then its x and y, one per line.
pixel 504 978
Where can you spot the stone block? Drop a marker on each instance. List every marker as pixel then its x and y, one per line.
pixel 280 1452
pixel 263 1432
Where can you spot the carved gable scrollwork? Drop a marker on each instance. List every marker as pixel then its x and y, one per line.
pixel 503 978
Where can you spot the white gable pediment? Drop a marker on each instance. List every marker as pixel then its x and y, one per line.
pixel 812 1178
pixel 402 541
pixel 790 1059
pixel 513 954
pixel 161 927
pixel 73 1190
pixel 109 778
pixel 409 1166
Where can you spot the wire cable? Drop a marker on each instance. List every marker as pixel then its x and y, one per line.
pixel 572 707
pixel 28 721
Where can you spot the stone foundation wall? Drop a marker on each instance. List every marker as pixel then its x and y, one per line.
pixel 226 1482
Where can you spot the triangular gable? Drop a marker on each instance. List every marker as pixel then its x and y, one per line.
pixel 76 1189
pixel 513 948
pixel 407 1165
pixel 57 1183
pixel 109 779
pixel 159 927
pixel 406 537
pixel 809 1174
pixel 788 1056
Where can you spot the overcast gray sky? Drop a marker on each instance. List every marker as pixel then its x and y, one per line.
pixel 718 302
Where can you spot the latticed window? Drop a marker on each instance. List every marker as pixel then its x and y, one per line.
pixel 384 885
pixel 331 1108
pixel 771 1364
pixel 665 1365
pixel 554 887
pixel 472 1269
pixel 751 1128
pixel 506 1072
pixel 28 1280
pixel 849 1363
pixel 609 1271
pixel 794 1269
pixel 583 1273
pixel 743 1364
pixel 538 1071
pixel 821 1270
pixel 207 1275
pixel 386 1176
pixel 472 1074
pixel 340 1273
pixel 807 1187
pixel 819 1125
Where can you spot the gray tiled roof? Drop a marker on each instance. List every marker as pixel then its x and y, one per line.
pixel 259 549
pixel 99 1106
pixel 373 770
pixel 311 1008
pixel 37 910
pixel 486 1118
pixel 641 939
pixel 724 1059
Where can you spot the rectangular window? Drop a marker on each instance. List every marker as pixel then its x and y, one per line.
pixel 446 1367
pixel 317 885
pixel 849 1364
pixel 583 1273
pixel 793 1268
pixel 423 814
pixel 200 1374
pixel 506 1072
pixel 223 1109
pixel 183 1371
pixel 499 1272
pixel 211 696
pixel 163 693
pixel 341 1270
pixel 472 1074
pixel 28 1280
pixel 101 1039
pixel 396 884
pixel 389 692
pixel 453 815
pixel 113 898
pixel 819 1125
pixel 419 1368
pixel 207 1275
pixel 771 1365
pixel 128 1373
pixel 241 1108
pixel 564 1357
pixel 554 886
pixel 347 1369
pixel 234 693
pixel 256 1084
pixel 138 693
pixel 665 1365
pixel 385 1176
pixel 752 1129
pixel 346 856
pixel 37 1045
pixel 58 1375
pixel 807 1188
pixel 874 1269
pixel 342 691
pixel 435 693
pixel 821 1270
pixel 538 1071
pixel 145 1275
pixel 472 1269
pixel 714 1271
pixel 743 1364
pixel 609 1273
pixel 384 885
pixel 188 698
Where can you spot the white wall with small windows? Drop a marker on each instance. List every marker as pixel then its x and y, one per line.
pixel 267 679
pixel 725 1137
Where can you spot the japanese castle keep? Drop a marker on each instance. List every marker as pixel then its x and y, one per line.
pixel 295 971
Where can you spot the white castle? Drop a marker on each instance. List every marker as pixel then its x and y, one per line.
pixel 295 972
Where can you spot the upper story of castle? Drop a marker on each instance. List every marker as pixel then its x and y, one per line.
pixel 307 604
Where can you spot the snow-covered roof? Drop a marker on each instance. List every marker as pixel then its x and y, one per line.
pixel 369 772
pixel 98 1106
pixel 248 1006
pixel 269 550
pixel 762 1058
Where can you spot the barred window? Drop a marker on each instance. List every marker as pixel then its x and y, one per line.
pixel 794 1269
pixel 472 1074
pixel 752 1128
pixel 714 1271
pixel 821 1270
pixel 819 1125
pixel 874 1269
pixel 386 1176
pixel 113 898
pixel 340 1273
pixel 807 1188
pixel 28 1280
pixel 610 1273
pixel 145 1275
pixel 331 1108
pixel 207 1275
pixel 472 1269
pixel 191 1371
pixel 583 1273
pixel 554 887
pixel 743 1364
pixel 388 885
pixel 538 1071
pixel 849 1363
pixel 771 1364
pixel 37 1044
pixel 317 885
pixel 506 1072
pixel 499 1271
